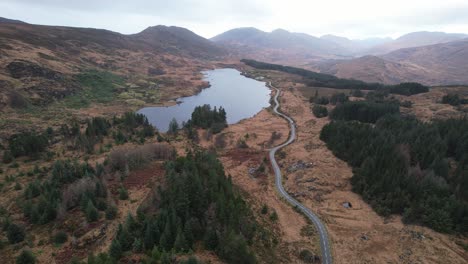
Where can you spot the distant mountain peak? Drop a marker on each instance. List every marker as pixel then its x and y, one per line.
pixel 12 21
pixel 280 31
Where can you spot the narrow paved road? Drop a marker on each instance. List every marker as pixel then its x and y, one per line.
pixel 324 242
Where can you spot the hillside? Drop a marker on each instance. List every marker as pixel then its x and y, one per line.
pixel 415 39
pixel 374 69
pixel 439 64
pixel 41 64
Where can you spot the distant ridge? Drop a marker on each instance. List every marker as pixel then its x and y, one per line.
pixel 416 39
pixel 12 21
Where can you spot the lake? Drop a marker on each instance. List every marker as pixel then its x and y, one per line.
pixel 240 96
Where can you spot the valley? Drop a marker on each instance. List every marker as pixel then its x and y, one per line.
pixel 96 170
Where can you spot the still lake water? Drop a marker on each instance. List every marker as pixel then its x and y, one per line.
pixel 240 96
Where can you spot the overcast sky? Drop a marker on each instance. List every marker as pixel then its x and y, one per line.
pixel 349 18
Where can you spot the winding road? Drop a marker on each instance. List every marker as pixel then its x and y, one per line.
pixel 324 241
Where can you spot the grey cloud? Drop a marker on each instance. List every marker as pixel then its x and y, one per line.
pixel 208 10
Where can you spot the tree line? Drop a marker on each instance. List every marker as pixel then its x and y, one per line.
pixel 326 80
pixel 125 128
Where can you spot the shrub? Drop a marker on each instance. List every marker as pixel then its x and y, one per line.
pixel 111 212
pixel 26 257
pixel 17 100
pixel 128 159
pixel 319 111
pixel 274 136
pixel 123 194
pixel 7 157
pixel 115 250
pixel 307 256
pixel 453 99
pixel 27 143
pixel 338 98
pixel 60 237
pixel 264 209
pixel 242 144
pixel 322 100
pixel 409 88
pixel 92 213
pixel 220 141
pixel 357 93
pixel 274 216
pixel 15 233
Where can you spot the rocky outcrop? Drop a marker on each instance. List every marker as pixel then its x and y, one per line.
pixel 24 69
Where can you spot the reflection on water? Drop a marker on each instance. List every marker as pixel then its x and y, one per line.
pixel 241 97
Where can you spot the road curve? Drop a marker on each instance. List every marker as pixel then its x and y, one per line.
pixel 324 241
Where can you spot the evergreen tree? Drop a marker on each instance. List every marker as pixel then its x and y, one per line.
pixel 173 127
pixel 180 243
pixel 137 246
pixel 26 257
pixel 115 250
pixel 15 233
pixel 124 238
pixel 92 213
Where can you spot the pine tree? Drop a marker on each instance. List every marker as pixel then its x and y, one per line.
pixel 15 233
pixel 115 250
pixel 155 254
pixel 188 234
pixel 211 239
pixel 165 240
pixel 137 246
pixel 148 236
pixel 180 243
pixel 26 257
pixel 124 238
pixel 165 258
pixel 91 212
pixel 173 127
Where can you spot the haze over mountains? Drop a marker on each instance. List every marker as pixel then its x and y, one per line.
pixel 432 58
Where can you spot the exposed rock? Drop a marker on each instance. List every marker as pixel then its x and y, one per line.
pixel 21 69
pixel 156 71
pixel 417 235
pixel 300 165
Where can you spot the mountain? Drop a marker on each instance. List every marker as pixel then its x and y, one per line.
pixel 178 40
pixel 357 45
pixel 12 21
pixel 278 45
pixel 43 61
pixel 174 40
pixel 373 69
pixel 415 39
pixel 440 64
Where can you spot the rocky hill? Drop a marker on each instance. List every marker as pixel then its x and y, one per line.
pixel 40 63
pixel 440 64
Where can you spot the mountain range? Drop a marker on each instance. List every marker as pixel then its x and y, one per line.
pixel 433 58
